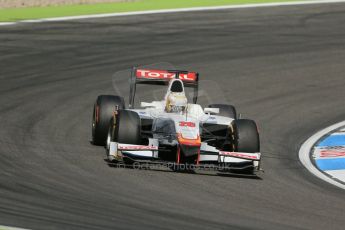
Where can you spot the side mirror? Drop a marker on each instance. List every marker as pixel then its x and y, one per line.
pixel 211 110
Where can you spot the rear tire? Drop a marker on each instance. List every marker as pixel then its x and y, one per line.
pixel 225 110
pixel 103 111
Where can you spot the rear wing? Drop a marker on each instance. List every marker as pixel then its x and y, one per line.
pixel 162 77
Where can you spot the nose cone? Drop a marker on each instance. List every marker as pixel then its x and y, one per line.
pixel 189 147
pixel 189 142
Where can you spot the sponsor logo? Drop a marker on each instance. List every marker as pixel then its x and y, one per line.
pixel 240 155
pixel 136 147
pixel 187 124
pixel 332 153
pixel 161 74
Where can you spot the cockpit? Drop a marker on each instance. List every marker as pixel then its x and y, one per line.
pixel 176 100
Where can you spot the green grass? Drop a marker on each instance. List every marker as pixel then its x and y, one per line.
pixel 10 15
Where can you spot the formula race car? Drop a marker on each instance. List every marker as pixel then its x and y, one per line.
pixel 174 131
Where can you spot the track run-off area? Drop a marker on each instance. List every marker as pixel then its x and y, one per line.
pixel 323 154
pixel 282 66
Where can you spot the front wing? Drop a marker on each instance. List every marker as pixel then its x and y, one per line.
pixel 208 154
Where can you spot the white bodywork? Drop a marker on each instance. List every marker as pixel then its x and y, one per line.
pixel 187 125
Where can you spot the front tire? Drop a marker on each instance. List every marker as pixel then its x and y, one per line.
pixel 127 128
pixel 124 128
pixel 246 136
pixel 247 140
pixel 103 111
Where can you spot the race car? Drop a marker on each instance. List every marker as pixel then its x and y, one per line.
pixel 173 130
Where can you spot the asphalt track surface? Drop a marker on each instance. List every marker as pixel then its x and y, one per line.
pixel 282 66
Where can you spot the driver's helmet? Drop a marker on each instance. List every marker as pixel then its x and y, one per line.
pixel 176 100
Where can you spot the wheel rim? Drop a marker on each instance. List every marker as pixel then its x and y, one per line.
pixel 93 123
pixel 107 147
pixel 108 141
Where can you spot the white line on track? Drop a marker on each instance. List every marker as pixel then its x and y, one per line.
pixel 7 23
pixel 191 9
pixel 10 228
pixel 304 153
